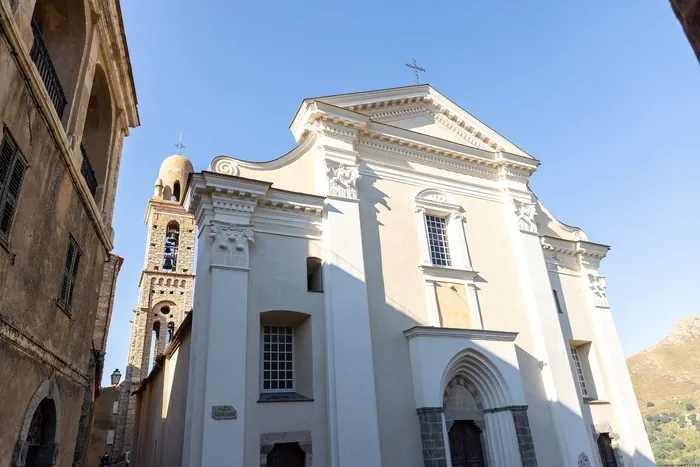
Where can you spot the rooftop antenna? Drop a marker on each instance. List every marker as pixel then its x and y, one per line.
pixel 180 146
pixel 416 69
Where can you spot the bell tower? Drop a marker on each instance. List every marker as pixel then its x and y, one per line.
pixel 165 286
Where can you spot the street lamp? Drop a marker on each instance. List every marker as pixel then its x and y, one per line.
pixel 116 376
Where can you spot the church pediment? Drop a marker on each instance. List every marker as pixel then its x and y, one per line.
pixel 423 110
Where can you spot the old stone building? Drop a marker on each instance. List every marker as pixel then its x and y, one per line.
pixel 67 100
pixel 165 287
pixel 390 292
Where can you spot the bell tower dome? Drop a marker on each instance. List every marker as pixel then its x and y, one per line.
pixel 172 178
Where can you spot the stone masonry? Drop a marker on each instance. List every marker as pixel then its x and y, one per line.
pixel 522 430
pixel 158 289
pixel 432 439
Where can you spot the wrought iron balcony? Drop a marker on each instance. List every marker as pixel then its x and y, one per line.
pixel 87 172
pixel 42 60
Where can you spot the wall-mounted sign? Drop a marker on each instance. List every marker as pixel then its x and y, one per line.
pixel 223 412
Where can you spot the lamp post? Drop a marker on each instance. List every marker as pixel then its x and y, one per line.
pixel 116 376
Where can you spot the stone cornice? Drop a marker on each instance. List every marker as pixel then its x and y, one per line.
pixel 570 255
pixel 443 273
pixel 408 143
pixel 470 334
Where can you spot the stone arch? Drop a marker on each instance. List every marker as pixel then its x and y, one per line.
pixel 476 368
pixel 167 283
pixel 160 281
pixel 175 283
pixel 97 134
pixel 60 29
pixel 45 401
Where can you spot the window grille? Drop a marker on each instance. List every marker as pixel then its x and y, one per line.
pixel 278 359
pixel 12 168
pixel 70 274
pixel 437 240
pixel 579 372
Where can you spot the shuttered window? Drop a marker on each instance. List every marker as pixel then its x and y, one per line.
pixel 12 168
pixel 70 273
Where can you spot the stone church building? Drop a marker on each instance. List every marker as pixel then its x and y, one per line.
pixel 388 293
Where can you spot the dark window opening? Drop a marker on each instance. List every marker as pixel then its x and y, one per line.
pixel 314 274
pixel 172 239
pixel 556 301
pixel 176 191
pixel 41 434
pixel 70 275
pixel 12 168
pixel 170 334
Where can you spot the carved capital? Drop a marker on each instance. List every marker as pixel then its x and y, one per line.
pixel 342 180
pixel 230 244
pixel 583 460
pixel 599 287
pixel 525 213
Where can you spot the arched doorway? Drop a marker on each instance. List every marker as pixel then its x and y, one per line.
pixel 464 418
pixel 37 445
pixel 286 455
pixel 42 431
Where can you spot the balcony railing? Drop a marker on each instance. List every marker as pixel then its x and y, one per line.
pixel 87 172
pixel 40 55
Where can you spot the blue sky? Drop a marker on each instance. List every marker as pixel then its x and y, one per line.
pixel 605 94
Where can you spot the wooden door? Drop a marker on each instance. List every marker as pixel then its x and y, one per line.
pixel 286 455
pixel 607 454
pixel 465 445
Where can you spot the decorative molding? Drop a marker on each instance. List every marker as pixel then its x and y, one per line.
pixel 443 273
pixel 433 199
pixel 583 460
pixel 230 247
pixel 342 180
pixel 225 165
pixel 525 213
pixel 599 287
pixel 470 334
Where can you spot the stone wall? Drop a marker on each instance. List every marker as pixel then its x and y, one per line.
pixel 688 13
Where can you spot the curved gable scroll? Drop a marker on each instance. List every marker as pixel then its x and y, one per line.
pixel 225 165
pixel 435 200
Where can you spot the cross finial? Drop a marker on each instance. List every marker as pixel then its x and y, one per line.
pixel 416 69
pixel 179 145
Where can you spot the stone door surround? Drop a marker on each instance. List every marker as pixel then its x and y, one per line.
pixel 268 441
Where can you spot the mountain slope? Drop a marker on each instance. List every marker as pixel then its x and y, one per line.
pixel 666 379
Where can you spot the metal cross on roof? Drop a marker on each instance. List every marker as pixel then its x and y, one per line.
pixel 179 145
pixel 416 69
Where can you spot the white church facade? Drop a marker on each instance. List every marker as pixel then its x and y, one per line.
pixel 389 293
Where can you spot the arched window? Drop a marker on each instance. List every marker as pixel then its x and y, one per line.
pixel 172 239
pixel 314 274
pixel 60 35
pixel 176 191
pixel 155 337
pixel 97 135
pixel 42 433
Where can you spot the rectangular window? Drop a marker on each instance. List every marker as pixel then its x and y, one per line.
pixel 12 168
pixel 115 407
pixel 110 436
pixel 556 301
pixel 437 240
pixel 278 359
pixel 579 372
pixel 70 274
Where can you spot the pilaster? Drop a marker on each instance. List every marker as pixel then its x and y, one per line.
pixel 551 349
pixel 353 419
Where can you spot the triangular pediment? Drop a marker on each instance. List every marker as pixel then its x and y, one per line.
pixel 422 109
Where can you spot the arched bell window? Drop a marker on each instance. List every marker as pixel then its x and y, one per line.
pixel 176 191
pixel 170 334
pixel 172 240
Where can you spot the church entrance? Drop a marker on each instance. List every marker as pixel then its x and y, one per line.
pixel 607 454
pixel 465 445
pixel 286 455
pixel 40 438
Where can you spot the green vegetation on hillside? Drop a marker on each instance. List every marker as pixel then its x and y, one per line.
pixel 674 434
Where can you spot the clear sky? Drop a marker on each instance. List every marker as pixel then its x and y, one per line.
pixel 606 94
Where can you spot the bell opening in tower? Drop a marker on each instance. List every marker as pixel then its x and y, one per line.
pixel 172 238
